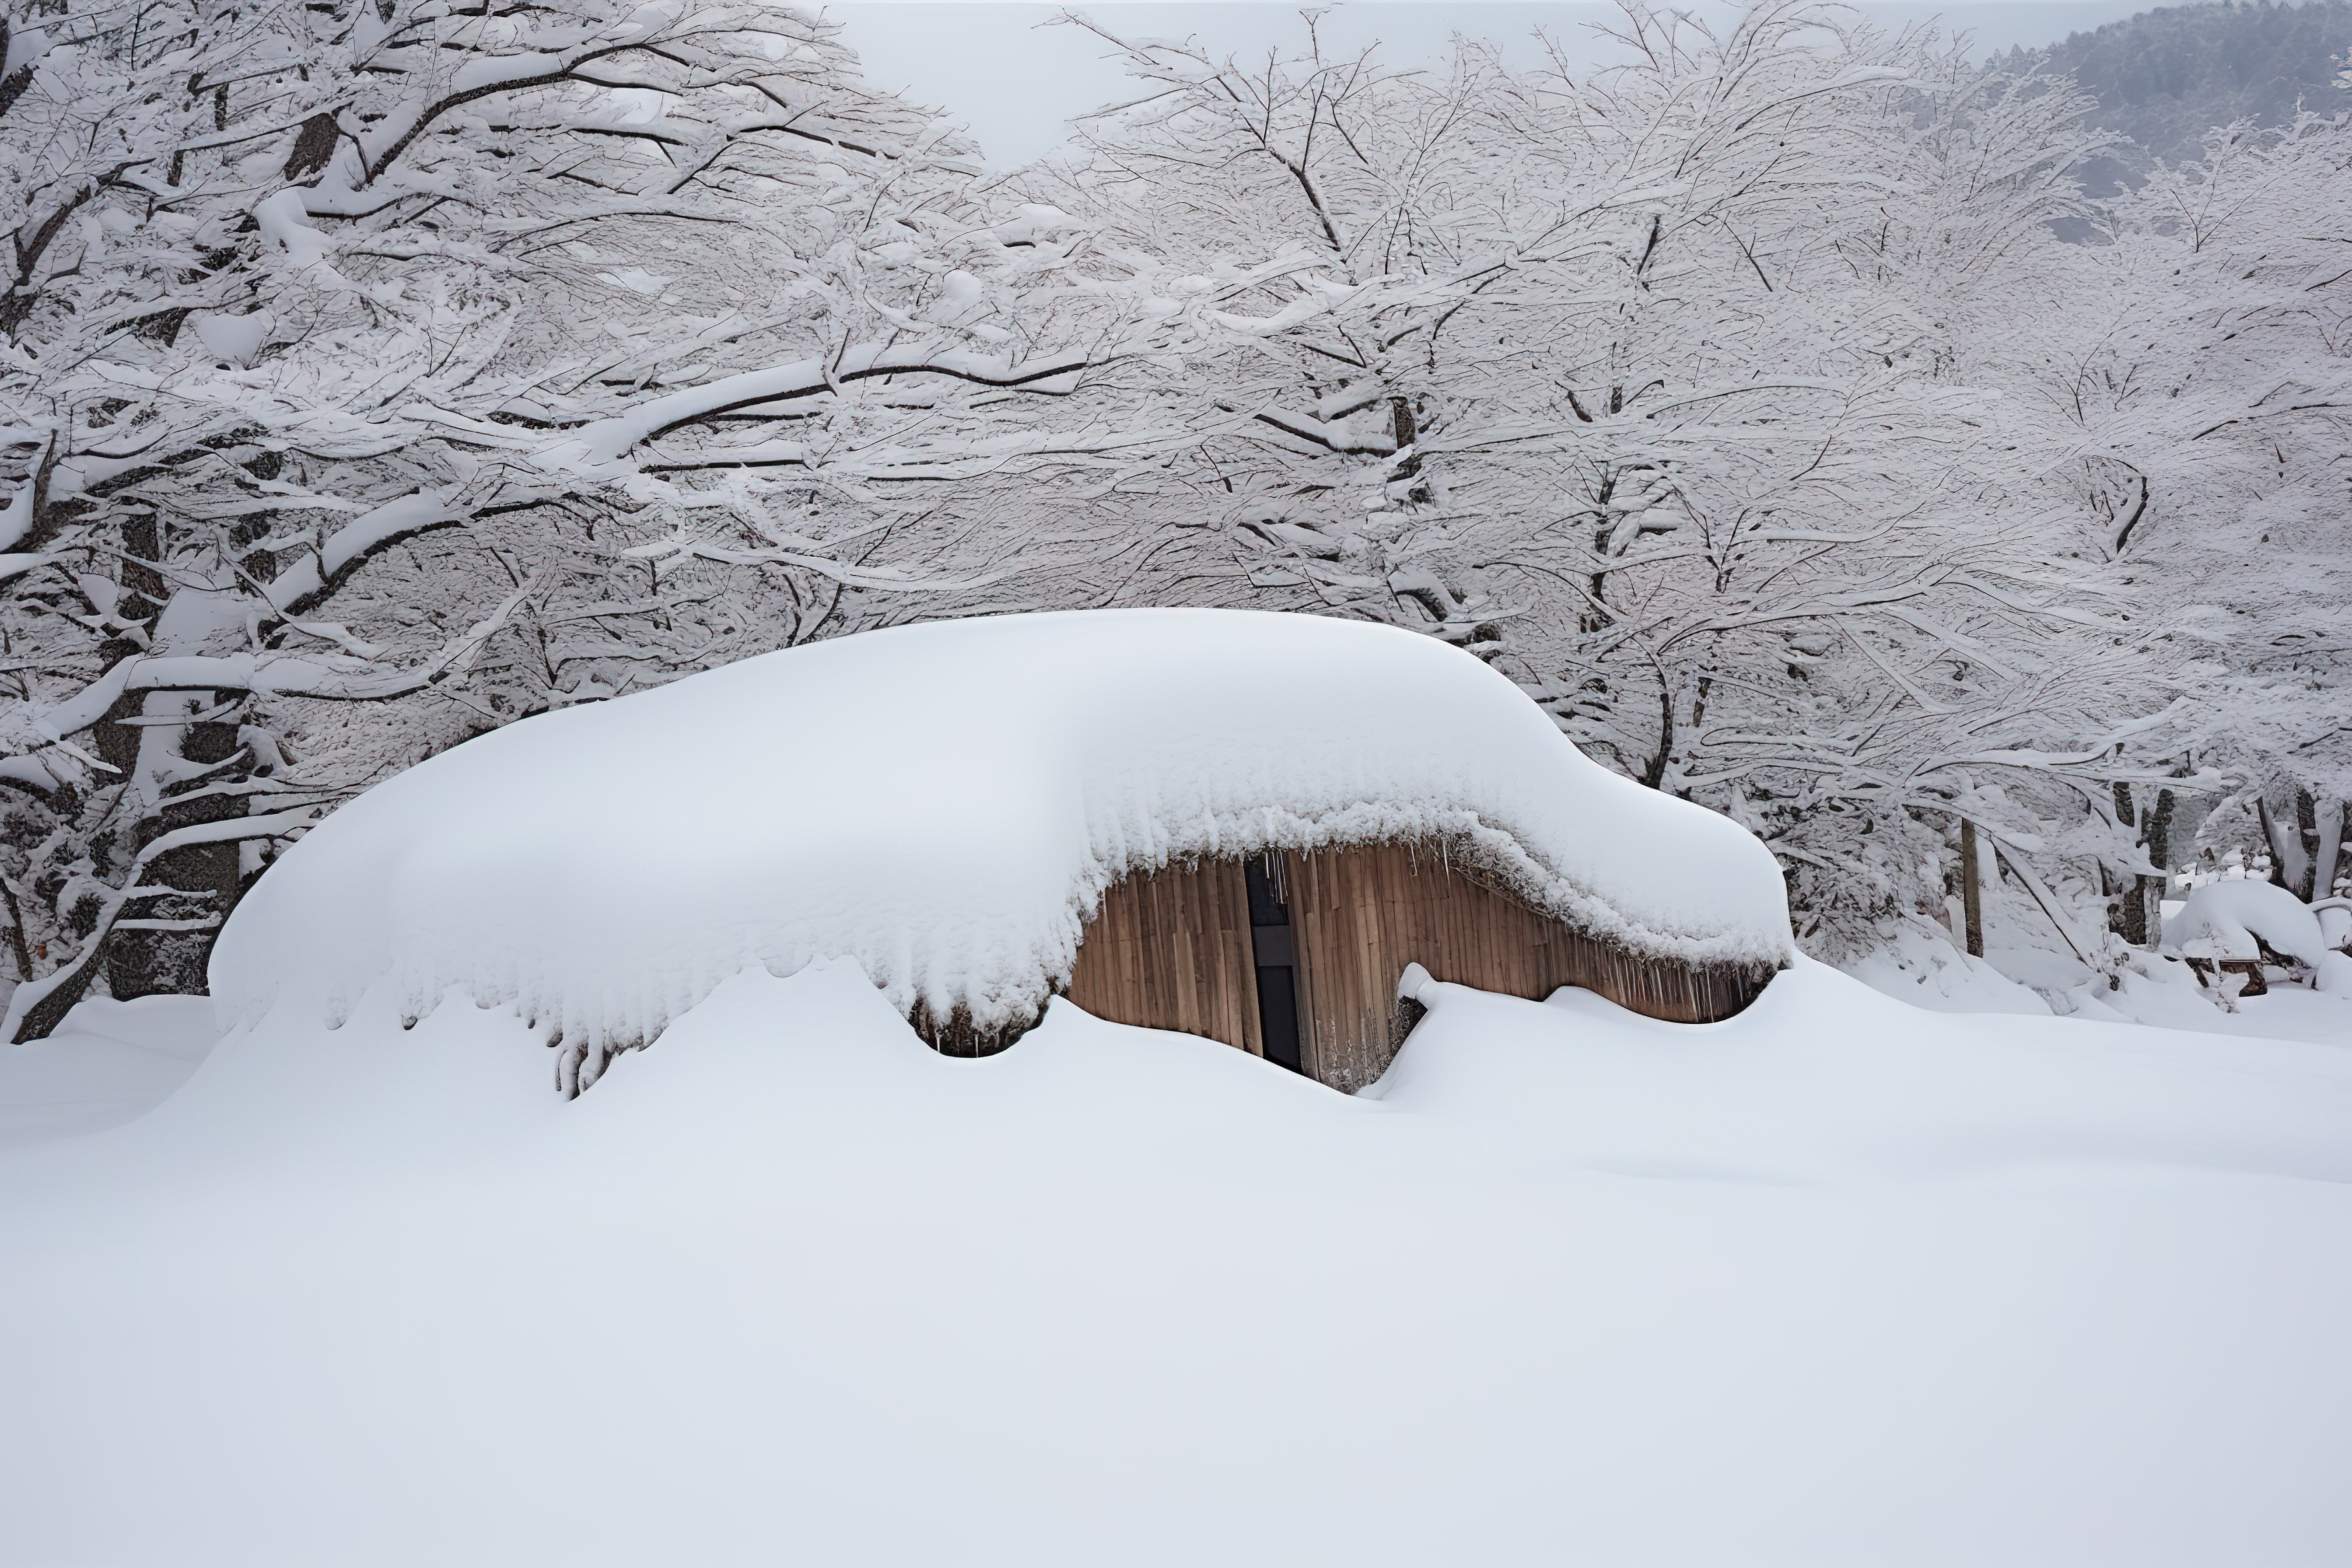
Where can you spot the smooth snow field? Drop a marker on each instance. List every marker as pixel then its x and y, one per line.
pixel 1837 1282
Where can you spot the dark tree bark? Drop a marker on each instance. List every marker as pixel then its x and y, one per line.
pixel 1971 894
pixel 2306 828
pixel 2157 834
pixel 170 957
pixel 2127 901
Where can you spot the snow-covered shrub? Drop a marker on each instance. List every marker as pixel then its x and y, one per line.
pixel 2238 921
pixel 2335 975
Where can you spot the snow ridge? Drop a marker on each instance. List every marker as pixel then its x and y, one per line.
pixel 945 804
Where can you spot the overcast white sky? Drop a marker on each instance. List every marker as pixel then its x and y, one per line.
pixel 1016 81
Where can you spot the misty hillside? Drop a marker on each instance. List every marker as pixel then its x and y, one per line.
pixel 2164 77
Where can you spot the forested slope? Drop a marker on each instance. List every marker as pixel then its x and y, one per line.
pixel 2166 77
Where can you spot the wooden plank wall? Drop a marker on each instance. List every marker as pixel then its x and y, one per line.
pixel 1364 912
pixel 1172 950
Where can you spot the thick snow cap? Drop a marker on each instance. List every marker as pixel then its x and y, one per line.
pixel 2222 919
pixel 945 804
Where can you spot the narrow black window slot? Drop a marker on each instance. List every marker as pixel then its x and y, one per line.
pixel 1278 973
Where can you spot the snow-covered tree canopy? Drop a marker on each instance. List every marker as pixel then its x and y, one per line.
pixel 1709 396
pixel 358 360
pixel 381 373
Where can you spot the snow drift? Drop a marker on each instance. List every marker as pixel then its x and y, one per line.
pixel 945 804
pixel 1837 1283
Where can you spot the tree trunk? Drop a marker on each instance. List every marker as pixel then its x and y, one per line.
pixel 1402 427
pixel 1971 893
pixel 46 1014
pixel 17 948
pixel 2331 845
pixel 2306 828
pixel 2128 900
pixel 164 944
pixel 2287 858
pixel 2158 837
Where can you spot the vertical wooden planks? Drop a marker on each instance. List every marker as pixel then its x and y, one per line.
pixel 1172 950
pixel 1366 911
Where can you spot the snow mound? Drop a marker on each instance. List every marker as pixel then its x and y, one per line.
pixel 106 1064
pixel 1927 971
pixel 945 804
pixel 2335 977
pixel 2222 919
pixel 1837 1283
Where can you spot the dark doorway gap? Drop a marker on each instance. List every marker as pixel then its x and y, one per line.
pixel 1278 973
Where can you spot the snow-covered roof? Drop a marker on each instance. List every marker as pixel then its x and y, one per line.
pixel 945 804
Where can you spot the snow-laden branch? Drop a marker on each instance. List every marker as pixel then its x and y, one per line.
pixel 598 448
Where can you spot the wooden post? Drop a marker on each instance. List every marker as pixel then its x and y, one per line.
pixel 1972 896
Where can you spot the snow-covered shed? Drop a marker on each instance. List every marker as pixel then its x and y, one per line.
pixel 1242 825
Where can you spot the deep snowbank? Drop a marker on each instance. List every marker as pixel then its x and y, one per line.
pixel 109 1062
pixel 944 805
pixel 1835 1283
